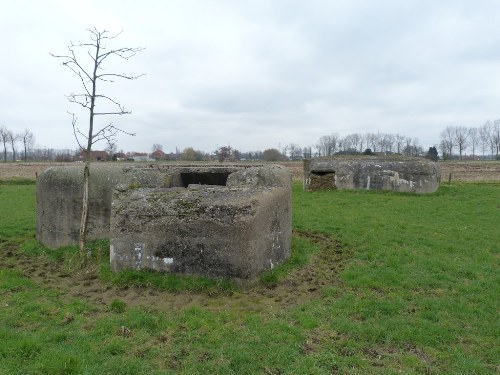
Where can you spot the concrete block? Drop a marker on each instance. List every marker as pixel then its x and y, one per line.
pixel 210 221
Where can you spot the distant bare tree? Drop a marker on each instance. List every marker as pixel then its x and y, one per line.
pixel 157 147
pixel 327 145
pixel 387 142
pixel 90 72
pixel 447 143
pixel 484 136
pixel 407 150
pixel 399 140
pixel 461 138
pixel 5 139
pixel 350 142
pixel 28 140
pixel 412 147
pixel 495 137
pixel 13 138
pixel 358 141
pixel 307 152
pixel 474 139
pixel 372 141
pixel 295 151
pixel 111 148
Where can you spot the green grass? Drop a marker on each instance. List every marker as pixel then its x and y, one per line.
pixel 417 295
pixel 302 250
pixel 17 212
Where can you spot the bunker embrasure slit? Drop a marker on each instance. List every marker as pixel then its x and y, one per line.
pixel 321 180
pixel 322 173
pixel 204 178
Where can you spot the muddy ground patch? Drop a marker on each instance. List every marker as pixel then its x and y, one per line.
pixel 298 286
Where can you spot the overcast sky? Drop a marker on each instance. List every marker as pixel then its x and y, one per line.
pixel 258 74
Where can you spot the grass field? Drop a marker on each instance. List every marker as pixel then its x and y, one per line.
pixel 380 283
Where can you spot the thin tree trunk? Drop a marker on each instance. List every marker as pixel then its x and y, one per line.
pixel 88 153
pixel 85 206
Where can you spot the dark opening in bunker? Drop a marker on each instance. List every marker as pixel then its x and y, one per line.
pixel 322 173
pixel 204 178
pixel 321 180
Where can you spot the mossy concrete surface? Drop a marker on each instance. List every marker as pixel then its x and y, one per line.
pixel 235 230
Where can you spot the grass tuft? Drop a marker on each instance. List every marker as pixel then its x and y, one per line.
pixel 117 306
pixel 301 250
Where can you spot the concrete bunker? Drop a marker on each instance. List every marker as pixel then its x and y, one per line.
pixel 235 230
pixel 395 173
pixel 218 221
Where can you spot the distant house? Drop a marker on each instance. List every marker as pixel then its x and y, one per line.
pixel 94 156
pixel 158 155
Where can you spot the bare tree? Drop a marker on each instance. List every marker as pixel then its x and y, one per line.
pixel 295 151
pixel 363 141
pixel 358 141
pixel 372 141
pixel 408 150
pixel 111 148
pixel 447 142
pixel 400 141
pixel 474 139
pixel 461 137
pixel 326 145
pixel 28 140
pixel 388 141
pixel 157 147
pixel 495 137
pixel 350 142
pixel 412 147
pixel 90 72
pixel 5 139
pixel 484 136
pixel 13 138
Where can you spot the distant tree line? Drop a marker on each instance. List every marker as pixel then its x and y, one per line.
pixel 358 143
pixel 10 142
pixel 456 140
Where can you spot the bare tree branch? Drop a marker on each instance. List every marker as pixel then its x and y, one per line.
pixel 75 130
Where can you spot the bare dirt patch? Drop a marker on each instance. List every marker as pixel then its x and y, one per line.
pixel 301 285
pixel 25 170
pixel 470 171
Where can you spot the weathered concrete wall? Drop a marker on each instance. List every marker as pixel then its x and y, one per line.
pixel 236 229
pixel 59 192
pixel 59 204
pixel 372 173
